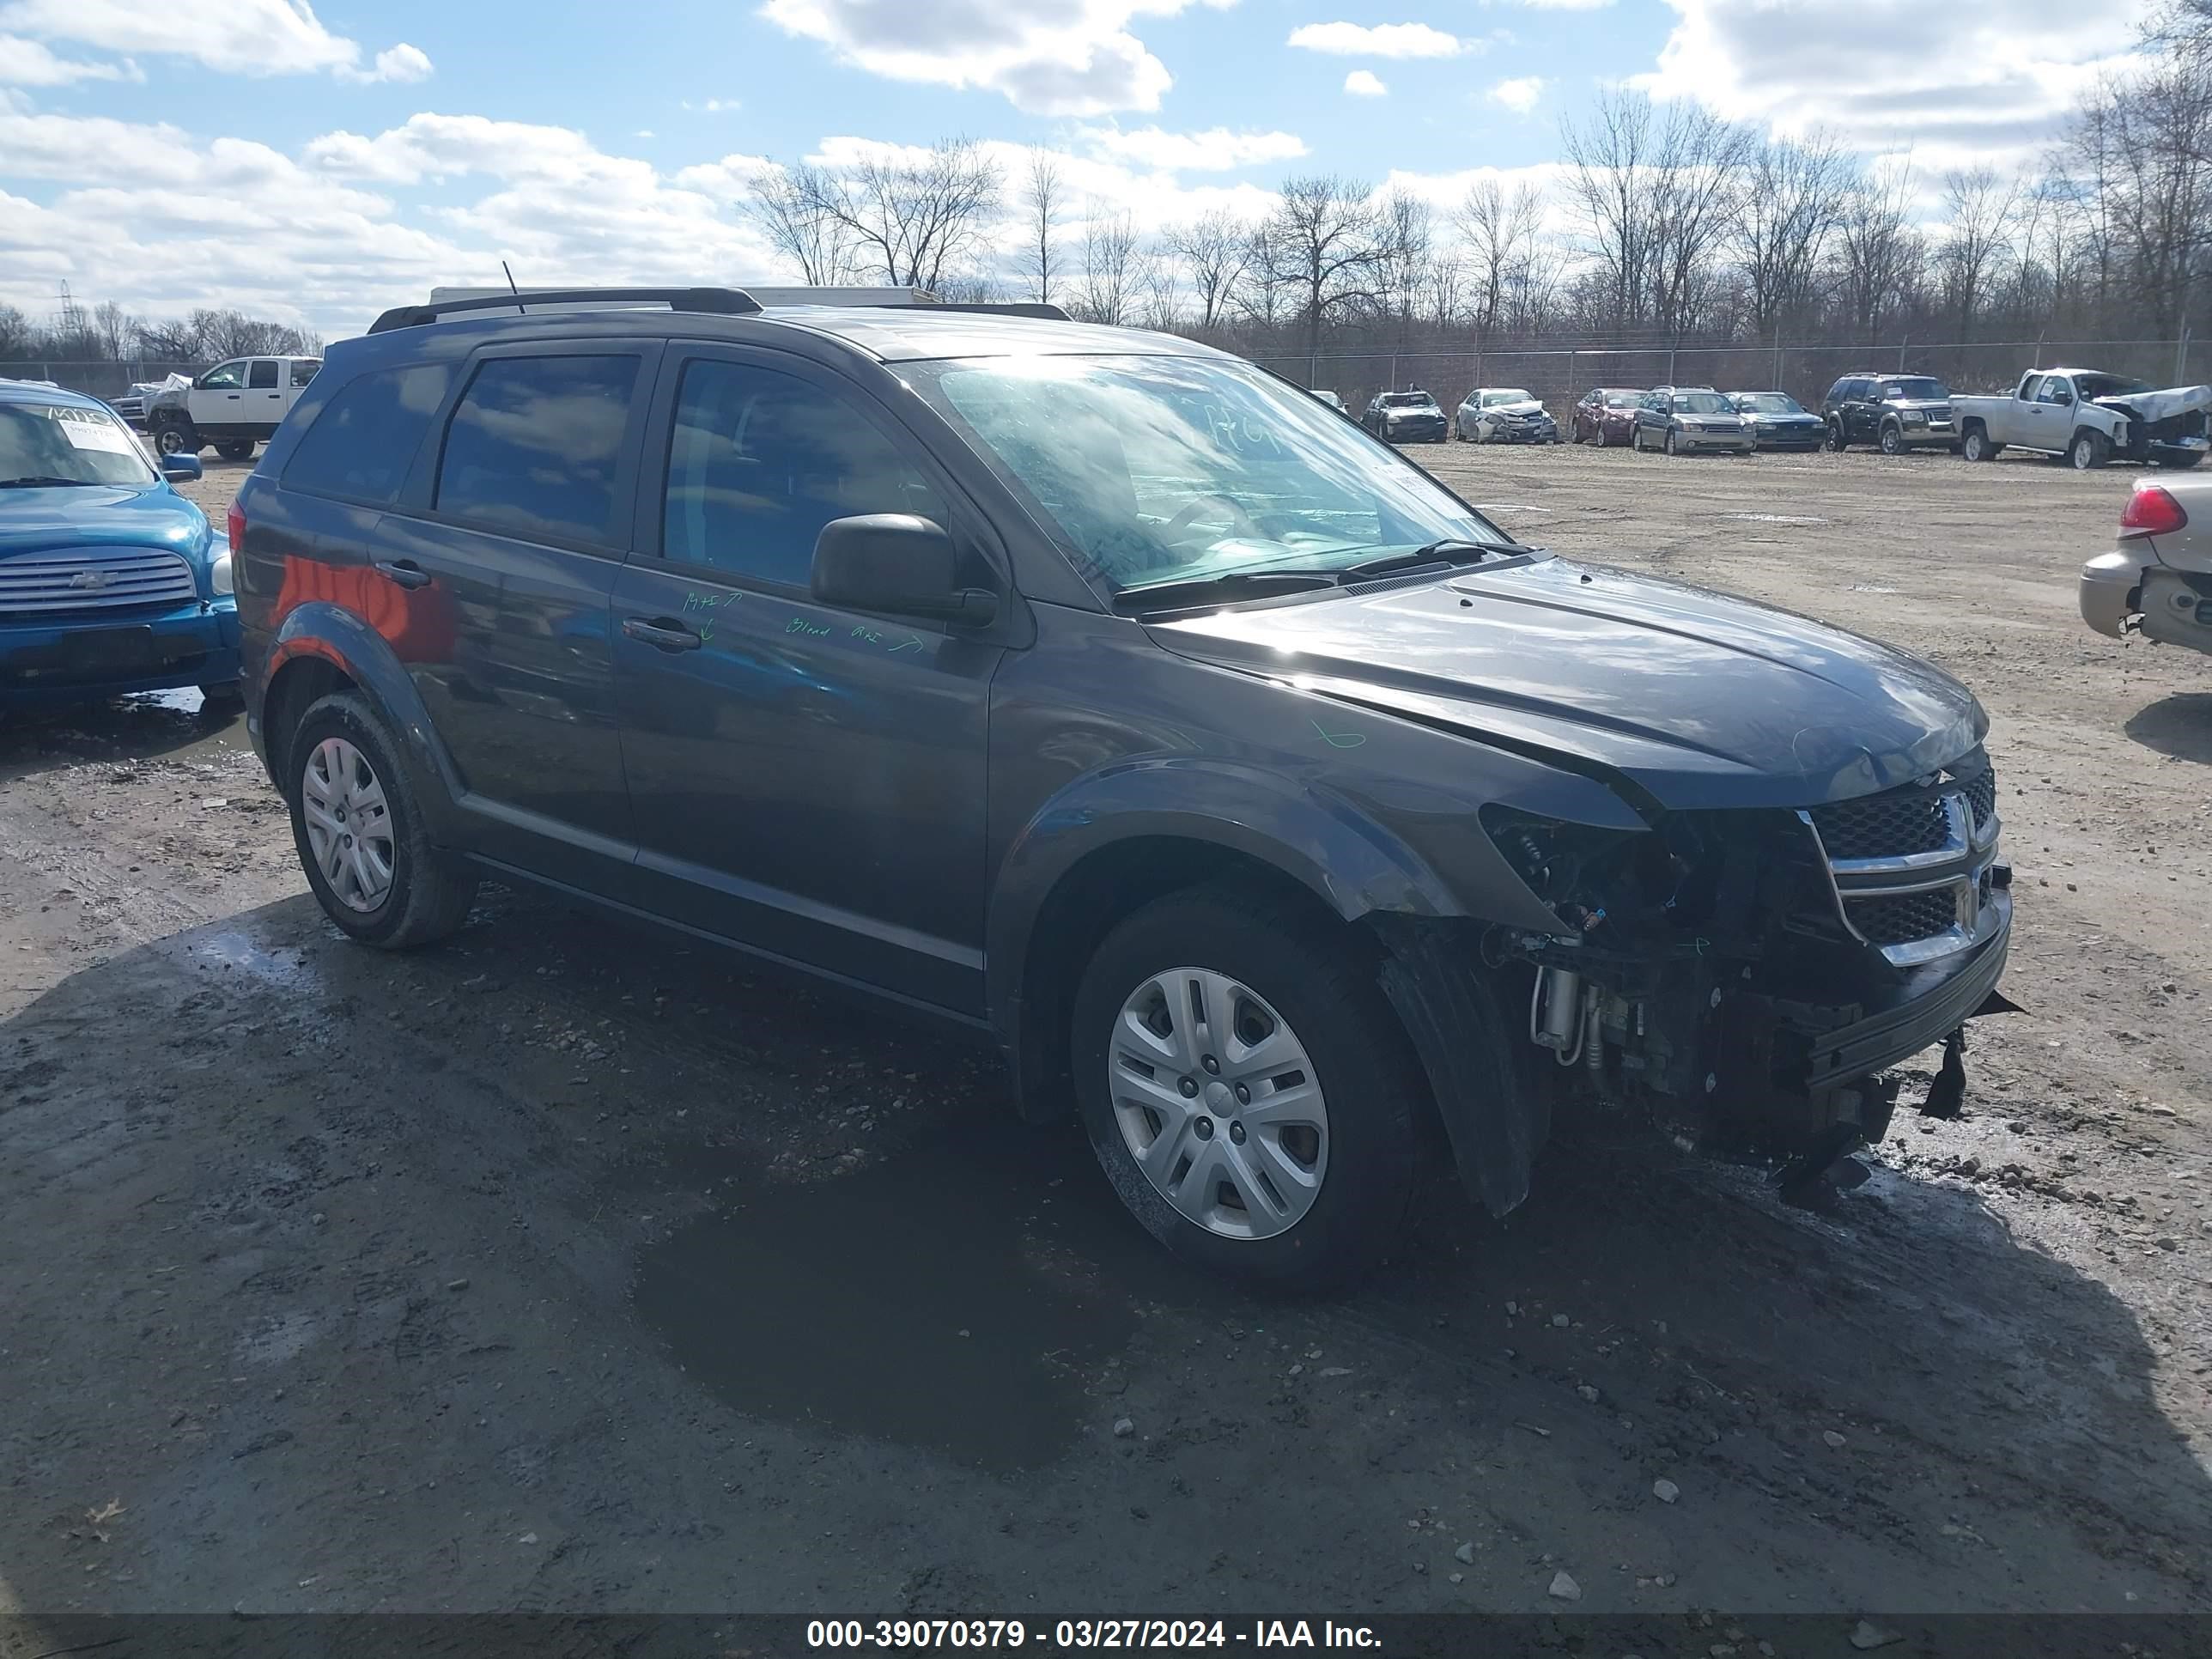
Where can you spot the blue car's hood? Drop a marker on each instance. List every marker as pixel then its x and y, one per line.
pixel 101 515
pixel 1697 699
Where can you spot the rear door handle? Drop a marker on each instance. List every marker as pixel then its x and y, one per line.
pixel 660 632
pixel 405 572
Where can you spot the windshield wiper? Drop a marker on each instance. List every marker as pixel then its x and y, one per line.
pixel 1447 551
pixel 44 483
pixel 1229 585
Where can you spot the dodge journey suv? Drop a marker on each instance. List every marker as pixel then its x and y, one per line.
pixel 1272 809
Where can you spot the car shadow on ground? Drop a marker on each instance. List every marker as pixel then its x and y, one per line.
pixel 147 726
pixel 2179 725
pixel 642 1187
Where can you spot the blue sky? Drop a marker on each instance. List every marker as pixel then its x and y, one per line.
pixel 321 163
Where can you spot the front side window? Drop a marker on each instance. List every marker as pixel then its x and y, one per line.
pixel 759 461
pixel 534 444
pixel 1170 468
pixel 61 444
pixel 362 444
pixel 224 377
pixel 261 375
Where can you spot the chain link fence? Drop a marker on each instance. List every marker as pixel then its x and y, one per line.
pixel 1561 375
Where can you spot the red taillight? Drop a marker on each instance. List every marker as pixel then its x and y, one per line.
pixel 237 527
pixel 2151 511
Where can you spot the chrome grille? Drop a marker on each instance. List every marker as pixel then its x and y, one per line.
pixel 1982 795
pixel 1899 919
pixel 1882 826
pixel 94 578
pixel 1911 865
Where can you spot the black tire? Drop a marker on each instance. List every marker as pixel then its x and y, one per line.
pixel 1671 448
pixel 175 437
pixel 2086 450
pixel 235 449
pixel 1837 441
pixel 1892 439
pixel 430 891
pixel 1975 445
pixel 1325 990
pixel 2179 463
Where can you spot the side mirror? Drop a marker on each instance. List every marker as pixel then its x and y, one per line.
pixel 899 565
pixel 180 469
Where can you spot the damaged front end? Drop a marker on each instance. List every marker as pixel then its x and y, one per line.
pixel 1745 976
pixel 2168 426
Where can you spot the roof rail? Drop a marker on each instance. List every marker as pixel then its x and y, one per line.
pixel 725 301
pixel 1050 314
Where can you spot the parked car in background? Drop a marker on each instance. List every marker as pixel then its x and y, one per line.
pixel 110 580
pixel 1330 398
pixel 1503 415
pixel 235 406
pixel 1283 819
pixel 1405 418
pixel 1896 412
pixel 1606 415
pixel 1779 421
pixel 2087 418
pixel 2157 580
pixel 1682 419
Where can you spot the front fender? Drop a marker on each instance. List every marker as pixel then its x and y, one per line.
pixel 1340 854
pixel 334 634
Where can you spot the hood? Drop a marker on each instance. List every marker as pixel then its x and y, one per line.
pixel 2160 405
pixel 1532 407
pixel 1928 404
pixel 103 515
pixel 1692 699
pixel 1421 412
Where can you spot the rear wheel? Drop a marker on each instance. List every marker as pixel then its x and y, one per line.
pixel 1837 441
pixel 1247 1089
pixel 2181 463
pixel 174 437
pixel 1976 444
pixel 235 449
pixel 2088 450
pixel 360 835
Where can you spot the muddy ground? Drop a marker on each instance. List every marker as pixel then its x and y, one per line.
pixel 570 1266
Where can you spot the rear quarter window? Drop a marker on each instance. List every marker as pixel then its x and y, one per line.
pixel 362 444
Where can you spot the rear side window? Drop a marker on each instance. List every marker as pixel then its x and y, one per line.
pixel 362 443
pixel 261 375
pixel 304 368
pixel 534 444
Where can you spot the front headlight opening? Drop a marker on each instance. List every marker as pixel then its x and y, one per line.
pixel 219 576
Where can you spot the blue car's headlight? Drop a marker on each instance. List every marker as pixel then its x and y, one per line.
pixel 219 578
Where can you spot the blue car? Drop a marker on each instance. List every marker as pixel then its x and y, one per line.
pixel 110 580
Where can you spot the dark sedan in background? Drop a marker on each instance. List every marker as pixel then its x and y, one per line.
pixel 1779 421
pixel 1405 418
pixel 1606 415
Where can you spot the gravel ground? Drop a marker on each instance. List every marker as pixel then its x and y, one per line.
pixel 567 1266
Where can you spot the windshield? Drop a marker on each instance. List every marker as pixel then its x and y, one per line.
pixel 1703 402
pixel 1408 400
pixel 1174 469
pixel 63 441
pixel 1492 399
pixel 2108 386
pixel 1919 389
pixel 1623 399
pixel 1768 402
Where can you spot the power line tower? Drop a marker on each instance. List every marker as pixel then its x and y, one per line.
pixel 69 315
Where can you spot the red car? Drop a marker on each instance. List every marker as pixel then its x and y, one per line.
pixel 1606 415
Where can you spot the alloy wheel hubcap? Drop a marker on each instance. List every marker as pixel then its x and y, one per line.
pixel 1218 1102
pixel 349 824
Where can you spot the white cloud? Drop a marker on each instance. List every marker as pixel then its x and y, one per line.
pixel 28 63
pixel 1519 94
pixel 642 133
pixel 1365 83
pixel 1382 41
pixel 1215 150
pixel 237 37
pixel 1046 58
pixel 1957 84
pixel 712 106
pixel 1560 5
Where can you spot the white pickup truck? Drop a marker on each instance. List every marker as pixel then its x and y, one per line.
pixel 235 406
pixel 2088 418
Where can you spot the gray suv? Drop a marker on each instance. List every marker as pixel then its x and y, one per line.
pixel 1275 812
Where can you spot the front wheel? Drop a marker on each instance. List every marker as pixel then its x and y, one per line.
pixel 1671 448
pixel 1892 440
pixel 361 835
pixel 1247 1089
pixel 2088 450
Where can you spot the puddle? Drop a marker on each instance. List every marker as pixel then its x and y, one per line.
pixel 952 1298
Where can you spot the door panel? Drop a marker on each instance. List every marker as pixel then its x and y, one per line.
pixel 809 780
pixel 264 406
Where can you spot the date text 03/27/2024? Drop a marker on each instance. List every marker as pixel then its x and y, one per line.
pixel 1085 1633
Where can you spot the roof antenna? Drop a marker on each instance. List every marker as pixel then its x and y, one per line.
pixel 516 291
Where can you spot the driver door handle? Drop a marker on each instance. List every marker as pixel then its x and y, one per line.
pixel 405 572
pixel 662 633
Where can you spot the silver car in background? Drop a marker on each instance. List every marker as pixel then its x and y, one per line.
pixel 1503 415
pixel 1680 419
pixel 2157 580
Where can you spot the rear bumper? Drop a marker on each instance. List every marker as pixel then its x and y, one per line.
pixel 99 656
pixel 2110 590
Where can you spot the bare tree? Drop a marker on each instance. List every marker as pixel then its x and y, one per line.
pixel 1041 204
pixel 1214 250
pixel 1404 238
pixel 1978 207
pixel 1110 267
pixel 167 343
pixel 1608 159
pixel 1877 250
pixel 1793 201
pixel 2147 144
pixel 18 339
pixel 1266 294
pixel 1159 290
pixel 1500 230
pixel 907 218
pixel 1694 190
pixel 114 328
pixel 1321 239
